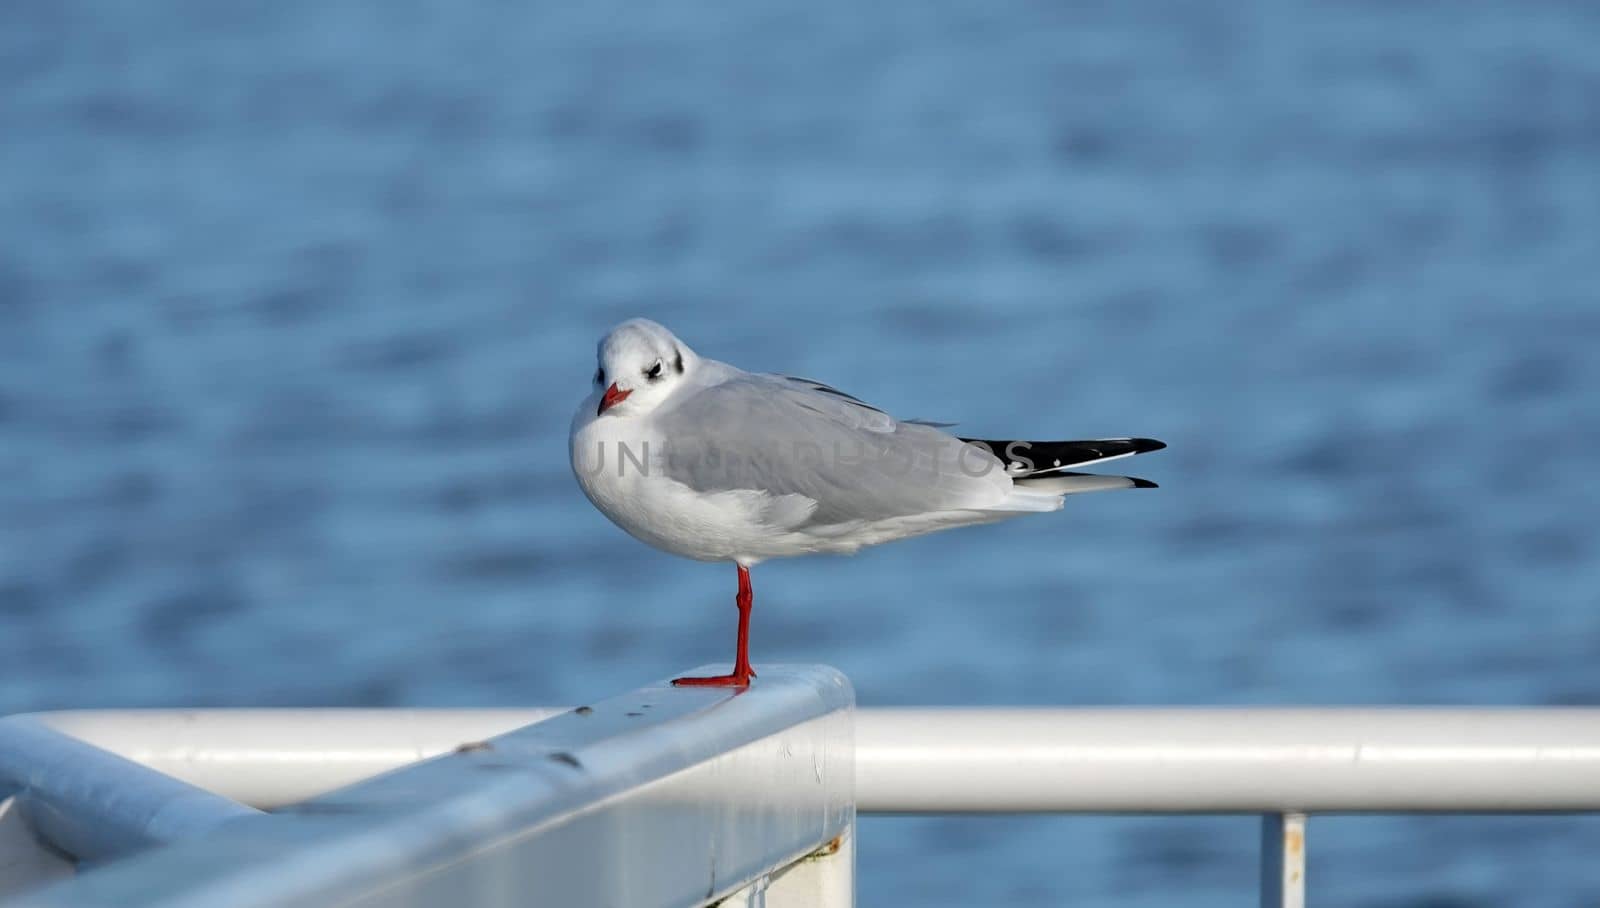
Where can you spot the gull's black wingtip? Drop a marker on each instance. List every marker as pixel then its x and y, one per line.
pixel 1146 445
pixel 1144 483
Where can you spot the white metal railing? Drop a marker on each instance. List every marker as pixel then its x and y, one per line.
pixel 94 804
pixel 925 760
pixel 660 797
pixel 1281 763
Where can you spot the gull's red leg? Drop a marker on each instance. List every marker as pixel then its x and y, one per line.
pixel 742 673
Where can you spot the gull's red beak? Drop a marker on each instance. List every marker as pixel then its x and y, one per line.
pixel 612 398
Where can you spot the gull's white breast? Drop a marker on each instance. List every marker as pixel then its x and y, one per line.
pixel 617 462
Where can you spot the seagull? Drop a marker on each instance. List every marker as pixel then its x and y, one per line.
pixel 705 460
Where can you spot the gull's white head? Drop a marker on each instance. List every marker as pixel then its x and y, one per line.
pixel 640 365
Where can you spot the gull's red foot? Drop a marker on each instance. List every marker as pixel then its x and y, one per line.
pixel 735 680
pixel 742 672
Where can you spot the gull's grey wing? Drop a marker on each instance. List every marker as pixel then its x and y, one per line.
pixel 788 436
pixel 814 385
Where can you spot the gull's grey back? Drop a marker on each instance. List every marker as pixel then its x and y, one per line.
pixel 785 436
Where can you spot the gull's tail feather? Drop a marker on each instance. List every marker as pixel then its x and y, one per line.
pixel 1047 491
pixel 1025 459
pixel 1073 483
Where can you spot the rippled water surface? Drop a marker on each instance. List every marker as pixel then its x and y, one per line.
pixel 296 301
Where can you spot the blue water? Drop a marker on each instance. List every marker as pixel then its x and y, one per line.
pixel 297 298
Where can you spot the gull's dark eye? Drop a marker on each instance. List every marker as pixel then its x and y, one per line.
pixel 654 372
pixel 600 375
